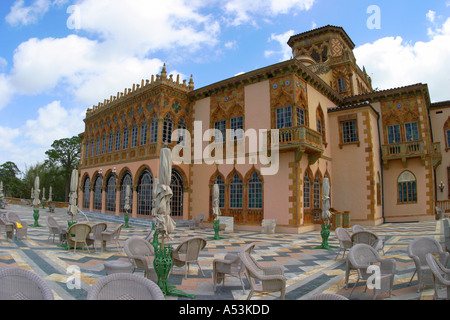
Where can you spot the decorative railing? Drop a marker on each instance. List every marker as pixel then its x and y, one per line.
pixel 405 149
pixel 297 135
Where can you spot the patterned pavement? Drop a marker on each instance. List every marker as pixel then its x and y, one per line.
pixel 309 271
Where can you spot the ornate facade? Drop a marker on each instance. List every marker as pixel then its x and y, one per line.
pixel 376 147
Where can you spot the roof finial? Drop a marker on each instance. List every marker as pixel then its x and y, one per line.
pixel 164 72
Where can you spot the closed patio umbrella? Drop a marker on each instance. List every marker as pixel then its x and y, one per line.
pixel 326 215
pixel 50 194
pixel 165 225
pixel 36 201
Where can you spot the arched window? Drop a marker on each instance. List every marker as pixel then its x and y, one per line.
pixel 182 133
pixel 167 129
pixel 236 188
pixel 134 135
pixel 86 193
pixel 407 188
pixel 306 191
pixel 255 192
pixel 117 147
pixel 98 193
pixel 316 192
pixel 176 203
pixel 125 138
pixel 126 181
pixel 111 141
pixel 111 194
pixel 154 130
pixel 97 148
pixel 86 152
pixel 145 193
pixel 220 181
pixel 104 144
pixel 144 133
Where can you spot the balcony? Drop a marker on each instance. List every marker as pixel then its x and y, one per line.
pixel 301 139
pixel 408 150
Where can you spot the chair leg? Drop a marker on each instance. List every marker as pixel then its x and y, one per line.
pixel 242 283
pixel 357 281
pixel 202 270
pixel 412 277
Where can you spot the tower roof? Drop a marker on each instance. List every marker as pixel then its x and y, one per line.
pixel 319 31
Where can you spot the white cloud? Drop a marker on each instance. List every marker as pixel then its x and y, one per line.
pixel 85 68
pixel 53 123
pixel 395 62
pixel 245 11
pixel 431 15
pixel 142 27
pixel 26 15
pixel 285 52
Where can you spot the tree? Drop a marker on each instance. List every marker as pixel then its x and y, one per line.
pixel 12 185
pixel 65 153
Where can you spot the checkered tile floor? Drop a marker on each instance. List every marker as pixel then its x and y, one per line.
pixel 308 270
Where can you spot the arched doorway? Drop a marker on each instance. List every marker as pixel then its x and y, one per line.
pixel 87 193
pixel 98 193
pixel 144 189
pixel 176 203
pixel 126 181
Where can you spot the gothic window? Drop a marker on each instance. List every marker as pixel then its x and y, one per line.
pixel 316 192
pixel 97 149
pixel 145 193
pixel 284 117
pixel 98 193
pixel 117 148
pixel 86 193
pixel 167 129
pixel 394 135
pixel 221 183
pixel 126 181
pixel 412 131
pixel 111 141
pixel 306 191
pixel 125 138
pixel 341 85
pixel 144 133
pixel 111 194
pixel 220 126
pixel 300 116
pixel 255 192
pixel 154 130
pixel 176 203
pixel 86 154
pixel 407 188
pixel 236 189
pixel 134 135
pixel 237 125
pixel 104 144
pixel 92 147
pixel 182 132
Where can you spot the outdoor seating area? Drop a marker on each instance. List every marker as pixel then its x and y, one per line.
pixel 246 265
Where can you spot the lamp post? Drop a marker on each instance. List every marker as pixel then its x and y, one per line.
pixel 441 186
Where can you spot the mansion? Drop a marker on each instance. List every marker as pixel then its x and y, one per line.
pixel 384 152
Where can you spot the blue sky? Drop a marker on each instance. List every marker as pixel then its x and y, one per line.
pixel 60 57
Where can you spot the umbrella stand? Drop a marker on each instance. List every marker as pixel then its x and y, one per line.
pixel 325 234
pixel 36 218
pixel 163 265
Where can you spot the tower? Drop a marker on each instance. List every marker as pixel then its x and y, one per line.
pixel 328 52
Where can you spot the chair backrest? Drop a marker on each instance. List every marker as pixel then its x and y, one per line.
pixel 4 223
pixel 364 236
pixel 21 284
pixel 200 218
pixel 98 228
pixel 357 228
pixel 116 232
pixel 13 217
pixel 136 247
pixel 80 231
pixel 192 247
pixel 439 272
pixel 252 269
pixel 362 255
pixel 125 286
pixel 342 234
pixel 419 247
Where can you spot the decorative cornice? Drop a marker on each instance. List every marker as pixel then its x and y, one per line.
pixel 319 31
